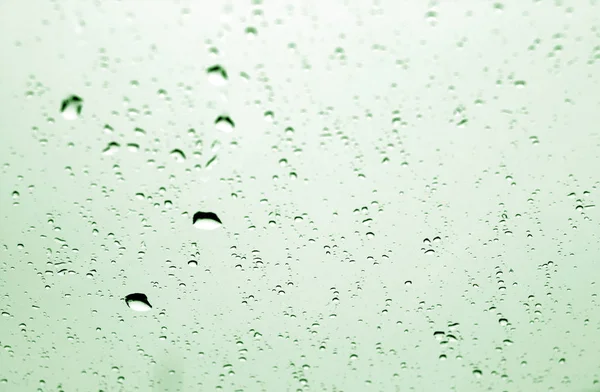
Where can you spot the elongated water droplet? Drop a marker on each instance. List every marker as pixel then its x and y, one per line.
pixel 71 107
pixel 138 302
pixel 206 220
pixel 224 124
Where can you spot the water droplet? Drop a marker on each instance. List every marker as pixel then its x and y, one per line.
pixel 439 335
pixel 408 283
pixel 520 83
pixel 224 124
pixel 111 148
pixel 353 357
pixel 217 75
pixel 429 251
pixel 138 302
pixel 269 116
pixel 133 147
pixel 431 17
pixel 370 235
pixel 193 263
pixel 503 322
pixel 251 32
pixel 477 373
pixel 71 107
pixel 206 220
pixel 178 155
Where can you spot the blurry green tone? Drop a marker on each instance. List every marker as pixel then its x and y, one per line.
pixel 333 195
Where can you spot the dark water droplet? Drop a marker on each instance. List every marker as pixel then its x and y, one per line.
pixel 217 75
pixel 224 124
pixel 138 302
pixel 178 155
pixel 206 220
pixel 71 107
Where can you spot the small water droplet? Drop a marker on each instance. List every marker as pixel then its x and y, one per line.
pixel 408 283
pixel 133 147
pixel 520 83
pixel 206 220
pixel 477 373
pixel 71 107
pixel 193 263
pixel 251 32
pixel 138 302
pixel 503 322
pixel 224 124
pixel 217 75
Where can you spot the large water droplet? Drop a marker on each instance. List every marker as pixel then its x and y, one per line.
pixel 217 75
pixel 71 107
pixel 178 155
pixel 138 302
pixel 206 220
pixel 111 149
pixel 224 124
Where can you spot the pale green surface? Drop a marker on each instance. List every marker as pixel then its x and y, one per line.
pixel 523 151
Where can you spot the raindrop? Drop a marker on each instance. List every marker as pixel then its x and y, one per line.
pixel 477 373
pixel 217 75
pixel 439 335
pixel 251 32
pixel 178 155
pixel 224 124
pixel 138 302
pixel 133 147
pixel 193 263
pixel 206 220
pixel 71 107
pixel 111 148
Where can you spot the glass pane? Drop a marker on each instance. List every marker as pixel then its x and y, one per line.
pixel 323 195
